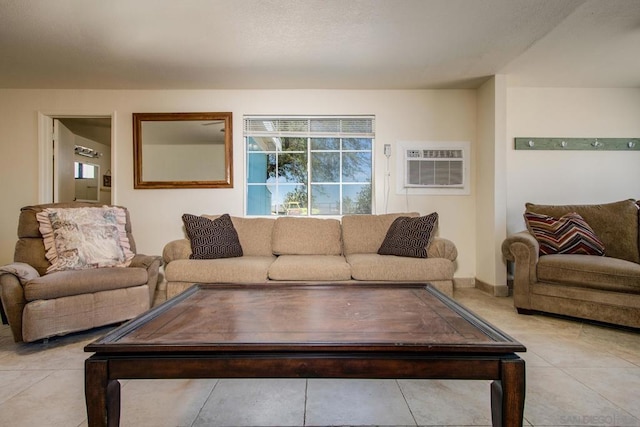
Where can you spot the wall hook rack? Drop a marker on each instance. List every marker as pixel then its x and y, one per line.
pixel 583 144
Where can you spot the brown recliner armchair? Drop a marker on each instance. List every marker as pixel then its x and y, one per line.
pixel 39 305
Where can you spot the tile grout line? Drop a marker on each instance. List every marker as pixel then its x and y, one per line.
pixel 306 395
pixel 406 402
pixel 204 402
pixel 51 372
pixel 564 370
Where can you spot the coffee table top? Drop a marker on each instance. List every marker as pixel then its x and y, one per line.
pixel 309 318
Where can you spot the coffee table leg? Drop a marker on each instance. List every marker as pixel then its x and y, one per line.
pixel 507 394
pixel 101 394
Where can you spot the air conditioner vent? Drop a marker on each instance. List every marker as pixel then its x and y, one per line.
pixel 434 168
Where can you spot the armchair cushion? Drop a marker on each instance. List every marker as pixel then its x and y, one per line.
pixel 85 237
pixel 569 234
pixel 615 224
pixel 77 282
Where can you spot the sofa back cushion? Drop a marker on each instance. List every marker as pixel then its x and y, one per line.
pixel 254 234
pixel 306 236
pixel 615 224
pixel 363 234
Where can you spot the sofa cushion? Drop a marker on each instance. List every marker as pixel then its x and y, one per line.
pixel 84 237
pixel 596 272
pixel 409 237
pixel 363 234
pixel 569 234
pixel 245 269
pixel 254 234
pixel 75 282
pixel 615 224
pixel 307 236
pixel 376 267
pixel 310 267
pixel 212 239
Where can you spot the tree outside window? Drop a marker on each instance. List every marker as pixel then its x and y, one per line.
pixel 308 167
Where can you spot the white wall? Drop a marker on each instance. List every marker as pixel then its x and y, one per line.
pixel 443 115
pixel 491 184
pixel 563 177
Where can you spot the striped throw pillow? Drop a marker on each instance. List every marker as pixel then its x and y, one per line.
pixel 569 234
pixel 409 237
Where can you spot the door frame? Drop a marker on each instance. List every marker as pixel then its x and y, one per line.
pixel 46 151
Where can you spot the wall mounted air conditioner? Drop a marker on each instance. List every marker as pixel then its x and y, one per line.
pixel 434 168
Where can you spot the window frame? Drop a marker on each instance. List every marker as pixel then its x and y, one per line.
pixel 341 128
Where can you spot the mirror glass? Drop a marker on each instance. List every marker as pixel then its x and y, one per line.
pixel 86 180
pixel 182 150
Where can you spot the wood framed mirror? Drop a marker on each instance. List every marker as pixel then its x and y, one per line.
pixel 182 150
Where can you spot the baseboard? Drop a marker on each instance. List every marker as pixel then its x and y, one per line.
pixel 464 282
pixel 495 290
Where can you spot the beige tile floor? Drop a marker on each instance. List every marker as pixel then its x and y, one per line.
pixel 577 375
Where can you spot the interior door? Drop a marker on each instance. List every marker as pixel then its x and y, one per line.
pixel 64 189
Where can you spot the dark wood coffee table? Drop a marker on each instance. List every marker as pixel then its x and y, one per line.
pixel 306 331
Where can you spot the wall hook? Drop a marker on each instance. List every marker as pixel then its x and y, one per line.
pixel 631 144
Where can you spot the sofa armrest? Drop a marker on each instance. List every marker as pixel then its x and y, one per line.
pixel 176 249
pixel 525 238
pixel 442 248
pixel 523 249
pixel 13 302
pixel 145 261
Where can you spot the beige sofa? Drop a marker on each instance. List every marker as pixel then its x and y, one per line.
pixel 290 249
pixel 40 305
pixel 601 288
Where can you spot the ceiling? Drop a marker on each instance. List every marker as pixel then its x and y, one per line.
pixel 94 128
pixel 317 44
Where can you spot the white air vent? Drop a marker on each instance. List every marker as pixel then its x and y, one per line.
pixel 434 168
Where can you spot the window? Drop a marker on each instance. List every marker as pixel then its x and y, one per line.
pixel 83 171
pixel 309 165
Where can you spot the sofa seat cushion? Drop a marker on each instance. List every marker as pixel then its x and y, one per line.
pixel 310 267
pixel 590 271
pixel 75 282
pixel 245 269
pixel 395 268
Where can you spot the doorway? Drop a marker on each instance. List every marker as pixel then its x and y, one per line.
pixel 75 158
